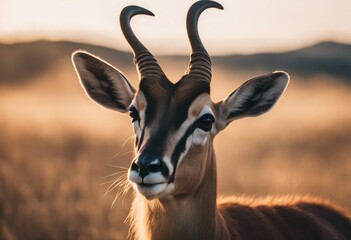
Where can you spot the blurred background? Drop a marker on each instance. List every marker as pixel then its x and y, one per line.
pixel 60 152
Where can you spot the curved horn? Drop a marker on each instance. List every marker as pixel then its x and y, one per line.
pixel 200 61
pixel 145 62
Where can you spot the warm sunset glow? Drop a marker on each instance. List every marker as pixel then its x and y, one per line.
pixel 243 26
pixel 66 164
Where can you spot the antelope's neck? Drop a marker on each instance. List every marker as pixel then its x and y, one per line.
pixel 182 217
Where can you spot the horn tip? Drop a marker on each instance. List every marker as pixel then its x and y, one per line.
pixel 216 5
pixel 147 12
pixel 135 10
pixel 208 4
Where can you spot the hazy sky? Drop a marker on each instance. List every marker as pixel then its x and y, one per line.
pixel 244 26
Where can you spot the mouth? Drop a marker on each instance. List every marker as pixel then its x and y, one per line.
pixel 151 191
pixel 148 185
pixel 152 186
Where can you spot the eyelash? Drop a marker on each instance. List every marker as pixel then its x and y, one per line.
pixel 134 114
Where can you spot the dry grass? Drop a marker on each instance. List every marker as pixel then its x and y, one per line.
pixel 55 144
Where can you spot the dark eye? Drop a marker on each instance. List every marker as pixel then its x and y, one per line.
pixel 133 113
pixel 205 122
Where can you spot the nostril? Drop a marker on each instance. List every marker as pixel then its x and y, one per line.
pixel 155 166
pixel 135 167
pixel 144 166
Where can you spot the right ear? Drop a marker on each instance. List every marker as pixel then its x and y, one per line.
pixel 255 97
pixel 103 83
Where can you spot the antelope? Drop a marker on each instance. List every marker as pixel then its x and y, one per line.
pixel 174 170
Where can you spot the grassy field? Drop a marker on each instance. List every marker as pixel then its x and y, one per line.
pixel 58 151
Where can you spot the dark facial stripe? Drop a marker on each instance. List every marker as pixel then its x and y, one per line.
pixel 187 91
pixel 141 138
pixel 136 141
pixel 157 92
pixel 180 148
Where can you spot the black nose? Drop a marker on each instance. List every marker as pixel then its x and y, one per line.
pixel 146 166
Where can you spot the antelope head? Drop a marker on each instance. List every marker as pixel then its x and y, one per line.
pixel 174 123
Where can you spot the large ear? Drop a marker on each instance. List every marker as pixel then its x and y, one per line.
pixel 103 83
pixel 254 97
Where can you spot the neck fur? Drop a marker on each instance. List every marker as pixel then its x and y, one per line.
pixel 193 216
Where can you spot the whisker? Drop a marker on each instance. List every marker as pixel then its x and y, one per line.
pixel 119 155
pixel 123 146
pixel 121 183
pixel 125 186
pixel 116 173
pixel 113 174
pixel 126 189
pixel 128 139
pixel 104 183
pixel 118 194
pixel 116 166
pixel 112 186
pixel 115 184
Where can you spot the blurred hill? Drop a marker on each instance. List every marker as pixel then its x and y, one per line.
pixel 21 61
pixel 324 58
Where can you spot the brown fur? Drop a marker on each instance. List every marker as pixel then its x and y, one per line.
pixel 184 204
pixel 187 207
pixel 198 216
pixel 286 218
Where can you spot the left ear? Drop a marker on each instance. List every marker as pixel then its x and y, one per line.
pixel 253 98
pixel 103 83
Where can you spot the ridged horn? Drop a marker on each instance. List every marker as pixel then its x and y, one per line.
pixel 145 62
pixel 200 61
